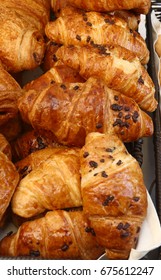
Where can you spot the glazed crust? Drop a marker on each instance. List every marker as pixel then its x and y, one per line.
pixel 53 183
pixel 58 235
pixel 80 28
pixel 118 67
pixel 71 111
pixel 113 192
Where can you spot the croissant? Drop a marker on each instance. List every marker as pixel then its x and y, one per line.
pixel 30 142
pixel 9 179
pixel 37 13
pixel 139 6
pixel 71 111
pixel 22 45
pixel 118 67
pixel 58 235
pixel 5 146
pixel 113 192
pixel 54 183
pixel 80 28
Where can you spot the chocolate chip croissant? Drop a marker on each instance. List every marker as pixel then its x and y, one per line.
pixel 113 192
pixel 57 235
pixel 52 181
pixel 80 28
pixel 118 67
pixel 71 111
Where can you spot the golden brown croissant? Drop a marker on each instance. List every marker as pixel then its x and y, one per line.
pixel 71 111
pixel 37 13
pixel 118 67
pixel 113 192
pixel 54 183
pixel 139 6
pixel 59 72
pixel 58 235
pixel 9 178
pixel 30 142
pixel 132 19
pixel 21 43
pixel 5 146
pixel 80 28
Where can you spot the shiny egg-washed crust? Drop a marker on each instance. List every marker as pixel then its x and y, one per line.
pixel 30 142
pixel 80 28
pixel 113 192
pixel 9 184
pixel 53 183
pixel 117 66
pixel 71 111
pixel 57 235
pixel 139 6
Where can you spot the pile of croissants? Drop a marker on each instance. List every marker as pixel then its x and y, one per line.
pixel 67 181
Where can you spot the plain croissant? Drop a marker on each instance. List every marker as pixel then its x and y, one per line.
pixel 118 67
pixel 52 182
pixel 71 111
pixel 139 6
pixel 57 235
pixel 80 28
pixel 113 192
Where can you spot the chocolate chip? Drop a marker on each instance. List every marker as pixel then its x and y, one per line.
pixel 104 174
pixel 88 39
pixel 116 107
pixel 136 199
pixel 76 88
pixel 89 23
pixel 99 125
pixel 63 86
pixel 116 97
pixel 90 230
pixel 126 108
pixel 102 160
pixel 108 200
pixel 93 164
pixel 95 174
pixel 140 80
pixel 110 21
pixel 127 117
pixel 55 58
pixel 120 226
pixel 119 162
pixel 35 253
pixel 65 247
pixel 78 37
pixel 86 154
pixel 124 234
pixel 120 114
pixel 126 226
